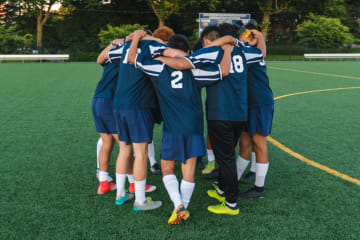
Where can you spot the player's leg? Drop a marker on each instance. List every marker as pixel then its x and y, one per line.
pixel 98 148
pixel 154 167
pixel 222 136
pixel 243 161
pixel 210 166
pixel 122 167
pixel 262 166
pixel 259 129
pixel 187 185
pixel 104 157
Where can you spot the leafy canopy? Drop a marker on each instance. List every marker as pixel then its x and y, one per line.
pixel 323 32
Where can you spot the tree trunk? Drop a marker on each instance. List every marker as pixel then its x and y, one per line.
pixel 266 24
pixel 161 22
pixel 39 32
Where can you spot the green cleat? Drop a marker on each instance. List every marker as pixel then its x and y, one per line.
pixel 210 167
pixel 216 195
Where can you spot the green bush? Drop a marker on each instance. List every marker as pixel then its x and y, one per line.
pixel 83 56
pixel 12 42
pixel 107 35
pixel 323 32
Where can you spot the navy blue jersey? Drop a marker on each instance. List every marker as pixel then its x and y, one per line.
pixel 228 99
pixel 259 91
pixel 179 93
pixel 133 90
pixel 106 86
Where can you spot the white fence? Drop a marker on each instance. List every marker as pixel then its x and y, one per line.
pixel 332 56
pixel 35 57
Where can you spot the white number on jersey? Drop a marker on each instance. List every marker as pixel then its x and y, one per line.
pixel 125 61
pixel 237 64
pixel 176 83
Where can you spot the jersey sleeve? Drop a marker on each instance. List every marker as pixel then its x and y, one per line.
pixel 205 57
pixel 115 54
pixel 252 54
pixel 146 63
pixel 207 75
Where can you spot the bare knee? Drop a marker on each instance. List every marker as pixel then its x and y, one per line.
pixel 167 167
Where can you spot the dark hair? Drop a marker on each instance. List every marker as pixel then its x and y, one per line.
pixel 239 24
pixel 228 29
pixel 252 24
pixel 198 45
pixel 147 31
pixel 179 41
pixel 210 32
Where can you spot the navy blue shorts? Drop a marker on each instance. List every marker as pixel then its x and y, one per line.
pixel 102 109
pixel 180 147
pixel 134 126
pixel 260 120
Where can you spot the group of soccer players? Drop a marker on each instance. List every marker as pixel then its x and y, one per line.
pixel 150 79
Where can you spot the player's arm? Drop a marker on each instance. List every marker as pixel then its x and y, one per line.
pixel 222 41
pixel 260 41
pixel 146 37
pixel 104 55
pixel 178 63
pixel 138 34
pixel 226 60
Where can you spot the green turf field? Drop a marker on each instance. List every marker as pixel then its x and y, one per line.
pixel 48 162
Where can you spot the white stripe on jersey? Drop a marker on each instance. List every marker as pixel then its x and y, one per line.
pixel 251 56
pixel 156 48
pixel 154 69
pixel 117 50
pixel 208 56
pixel 203 73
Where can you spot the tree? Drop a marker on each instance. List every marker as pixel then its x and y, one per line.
pixel 40 9
pixel 164 8
pixel 323 32
pixel 11 41
pixel 270 7
pixel 107 35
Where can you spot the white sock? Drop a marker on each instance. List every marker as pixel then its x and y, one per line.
pixel 186 189
pixel 120 184
pixel 130 178
pixel 219 191
pixel 261 171
pixel 140 191
pixel 98 148
pixel 103 176
pixel 253 162
pixel 151 153
pixel 231 204
pixel 172 187
pixel 241 165
pixel 210 155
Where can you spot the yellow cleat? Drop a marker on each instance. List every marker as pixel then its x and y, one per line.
pixel 209 168
pixel 179 215
pixel 214 194
pixel 223 209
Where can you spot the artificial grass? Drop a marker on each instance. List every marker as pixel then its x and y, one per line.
pixel 48 163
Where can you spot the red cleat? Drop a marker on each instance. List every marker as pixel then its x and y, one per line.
pixel 105 187
pixel 148 188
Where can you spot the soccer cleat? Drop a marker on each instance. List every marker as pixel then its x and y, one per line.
pixel 252 193
pixel 155 169
pixel 248 178
pixel 213 175
pixel 215 194
pixel 148 188
pixel 210 167
pixel 149 204
pixel 121 200
pixel 105 187
pixel 223 209
pixel 179 215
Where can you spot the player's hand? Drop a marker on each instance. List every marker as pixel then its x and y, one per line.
pixel 227 47
pixel 118 41
pixel 139 34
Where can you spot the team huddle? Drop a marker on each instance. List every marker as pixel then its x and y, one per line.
pixel 154 78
